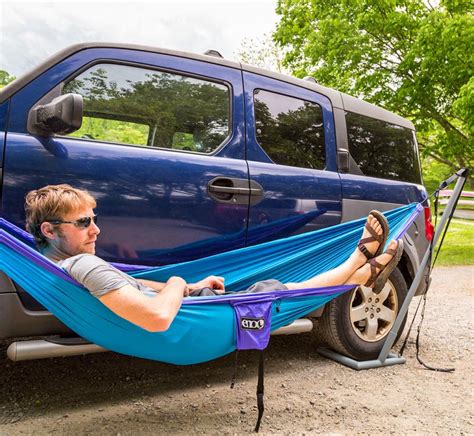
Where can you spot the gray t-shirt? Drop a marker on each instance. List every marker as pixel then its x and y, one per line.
pixel 98 276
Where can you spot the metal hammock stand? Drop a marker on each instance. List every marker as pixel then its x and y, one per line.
pixel 386 357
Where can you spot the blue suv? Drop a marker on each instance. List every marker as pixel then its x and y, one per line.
pixel 191 155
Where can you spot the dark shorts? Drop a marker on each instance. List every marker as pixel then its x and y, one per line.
pixel 266 286
pixel 263 286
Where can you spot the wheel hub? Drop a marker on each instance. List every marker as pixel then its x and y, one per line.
pixel 373 314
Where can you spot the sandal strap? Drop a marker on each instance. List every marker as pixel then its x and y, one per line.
pixel 374 266
pixel 375 235
pixel 368 255
pixel 373 238
pixel 367 239
pixel 373 271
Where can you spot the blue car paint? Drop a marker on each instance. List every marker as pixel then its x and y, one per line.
pixel 355 187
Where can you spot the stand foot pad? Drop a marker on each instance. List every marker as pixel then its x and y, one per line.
pixel 392 359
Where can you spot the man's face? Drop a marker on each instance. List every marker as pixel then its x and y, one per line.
pixel 71 239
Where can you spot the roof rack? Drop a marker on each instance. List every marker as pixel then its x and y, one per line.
pixel 310 79
pixel 214 53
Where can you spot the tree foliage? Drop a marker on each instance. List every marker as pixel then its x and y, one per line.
pixel 5 78
pixel 406 55
pixel 263 53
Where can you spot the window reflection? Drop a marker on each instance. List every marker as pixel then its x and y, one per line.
pixel 382 149
pixel 290 130
pixel 143 107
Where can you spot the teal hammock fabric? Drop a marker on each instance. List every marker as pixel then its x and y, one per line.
pixel 205 327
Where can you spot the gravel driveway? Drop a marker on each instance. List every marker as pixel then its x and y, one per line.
pixel 305 393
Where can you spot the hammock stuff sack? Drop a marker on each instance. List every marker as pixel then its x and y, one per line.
pixel 205 327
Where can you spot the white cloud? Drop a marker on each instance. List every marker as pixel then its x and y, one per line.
pixel 32 31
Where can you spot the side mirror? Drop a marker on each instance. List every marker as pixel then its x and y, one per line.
pixel 62 116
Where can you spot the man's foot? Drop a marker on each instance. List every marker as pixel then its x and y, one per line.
pixel 376 272
pixel 373 238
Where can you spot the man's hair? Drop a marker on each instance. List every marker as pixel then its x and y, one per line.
pixel 52 203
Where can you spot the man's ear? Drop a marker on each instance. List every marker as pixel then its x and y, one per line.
pixel 48 231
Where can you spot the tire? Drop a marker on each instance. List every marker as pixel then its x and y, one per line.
pixel 345 327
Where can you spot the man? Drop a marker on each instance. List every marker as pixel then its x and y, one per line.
pixel 62 220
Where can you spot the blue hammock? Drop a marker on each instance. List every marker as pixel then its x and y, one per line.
pixel 205 327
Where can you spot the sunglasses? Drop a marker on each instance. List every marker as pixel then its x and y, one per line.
pixel 82 223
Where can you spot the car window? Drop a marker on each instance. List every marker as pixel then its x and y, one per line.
pixel 382 149
pixel 138 106
pixel 290 130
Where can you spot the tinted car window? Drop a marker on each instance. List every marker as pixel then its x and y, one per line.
pixel 138 106
pixel 382 149
pixel 290 130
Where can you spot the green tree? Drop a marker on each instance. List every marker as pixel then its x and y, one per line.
pixel 406 55
pixel 263 53
pixel 5 78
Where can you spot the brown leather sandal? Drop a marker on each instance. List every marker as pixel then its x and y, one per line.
pixel 378 279
pixel 381 239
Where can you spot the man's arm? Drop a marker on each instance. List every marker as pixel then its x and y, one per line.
pixel 212 282
pixel 115 291
pixel 154 314
pixel 157 286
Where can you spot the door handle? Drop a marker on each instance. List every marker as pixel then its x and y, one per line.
pixel 234 191
pixel 240 191
pixel 229 190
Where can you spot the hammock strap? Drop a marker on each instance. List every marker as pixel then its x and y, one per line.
pixel 402 348
pixel 236 365
pixel 431 368
pixel 260 389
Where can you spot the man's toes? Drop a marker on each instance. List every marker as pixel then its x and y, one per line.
pixel 393 245
pixel 375 224
pixel 378 228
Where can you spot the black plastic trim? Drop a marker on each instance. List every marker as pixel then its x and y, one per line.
pixel 16 321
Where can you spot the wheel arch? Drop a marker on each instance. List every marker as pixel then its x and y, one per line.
pixel 407 268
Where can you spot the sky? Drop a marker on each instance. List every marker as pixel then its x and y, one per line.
pixel 34 30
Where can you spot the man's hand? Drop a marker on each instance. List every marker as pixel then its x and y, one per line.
pixel 179 281
pixel 213 282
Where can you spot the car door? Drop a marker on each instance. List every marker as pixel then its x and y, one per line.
pixel 291 154
pixel 161 148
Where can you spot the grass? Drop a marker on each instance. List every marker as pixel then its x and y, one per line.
pixel 458 245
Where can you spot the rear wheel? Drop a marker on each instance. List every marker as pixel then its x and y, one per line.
pixel 357 323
